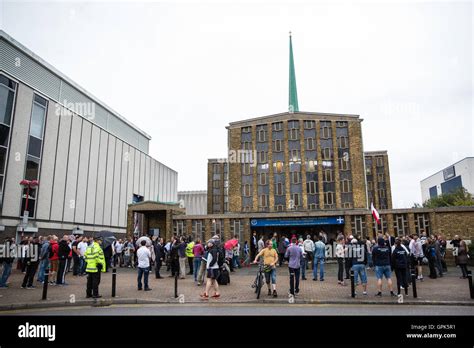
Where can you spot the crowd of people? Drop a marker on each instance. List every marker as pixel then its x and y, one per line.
pixel 211 262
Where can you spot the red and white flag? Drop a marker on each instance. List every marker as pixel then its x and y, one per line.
pixel 375 213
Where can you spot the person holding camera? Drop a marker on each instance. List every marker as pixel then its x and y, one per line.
pixel 95 264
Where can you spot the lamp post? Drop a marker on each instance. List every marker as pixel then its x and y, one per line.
pixel 28 184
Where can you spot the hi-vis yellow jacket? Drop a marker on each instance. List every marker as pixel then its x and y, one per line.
pixel 94 256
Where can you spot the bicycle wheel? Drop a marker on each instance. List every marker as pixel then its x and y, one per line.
pixel 259 285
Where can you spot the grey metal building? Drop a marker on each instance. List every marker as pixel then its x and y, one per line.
pixel 89 160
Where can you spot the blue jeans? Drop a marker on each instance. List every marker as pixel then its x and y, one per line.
pixel 381 271
pixel 369 260
pixel 271 275
pixel 318 261
pixel 143 272
pixel 303 268
pixel 7 269
pixel 42 270
pixel 359 270
pixel 197 266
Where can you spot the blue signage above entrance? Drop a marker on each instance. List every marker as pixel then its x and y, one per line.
pixel 333 220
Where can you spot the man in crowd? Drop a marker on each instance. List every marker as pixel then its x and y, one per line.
pixel 319 258
pixel 32 262
pixel 44 259
pixel 76 256
pixel 308 246
pixel 7 261
pixel 95 264
pixel 381 255
pixel 159 256
pixel 81 247
pixel 294 255
pixel 143 257
pixel 53 258
pixel 63 254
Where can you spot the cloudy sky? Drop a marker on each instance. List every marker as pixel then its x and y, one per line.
pixel 182 71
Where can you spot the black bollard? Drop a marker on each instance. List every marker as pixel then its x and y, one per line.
pixel 413 284
pixel 176 285
pixel 353 293
pixel 469 279
pixel 114 281
pixel 45 284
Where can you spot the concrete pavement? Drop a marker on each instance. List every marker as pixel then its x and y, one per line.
pixel 449 290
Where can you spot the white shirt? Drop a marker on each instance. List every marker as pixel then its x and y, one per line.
pixel 118 247
pixel 143 255
pixel 82 246
pixel 308 245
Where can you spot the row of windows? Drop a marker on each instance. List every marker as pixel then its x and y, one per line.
pixel 311 166
pixel 294 124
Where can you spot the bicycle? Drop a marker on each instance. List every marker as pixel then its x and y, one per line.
pixel 259 279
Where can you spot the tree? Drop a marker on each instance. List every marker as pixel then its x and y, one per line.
pixel 458 198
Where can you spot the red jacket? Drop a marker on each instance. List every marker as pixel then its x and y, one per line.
pixel 54 248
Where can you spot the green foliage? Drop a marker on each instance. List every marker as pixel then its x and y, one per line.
pixel 458 198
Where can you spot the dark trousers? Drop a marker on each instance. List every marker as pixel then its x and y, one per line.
pixel 294 280
pixel 253 252
pixel 93 281
pixel 431 265
pixel 348 266
pixel 76 268
pixel 174 267
pixel 401 274
pixel 30 274
pixel 157 268
pixel 340 269
pixel 62 269
pixel 143 272
pixel 463 268
pixel 191 264
pixel 281 258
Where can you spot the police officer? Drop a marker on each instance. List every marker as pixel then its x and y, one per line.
pixel 95 264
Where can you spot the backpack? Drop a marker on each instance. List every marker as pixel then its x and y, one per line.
pixel 224 277
pixel 220 256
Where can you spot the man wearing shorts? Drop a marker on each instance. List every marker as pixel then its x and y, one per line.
pixel 359 262
pixel 270 259
pixel 381 255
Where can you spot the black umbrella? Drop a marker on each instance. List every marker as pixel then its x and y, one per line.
pixel 107 238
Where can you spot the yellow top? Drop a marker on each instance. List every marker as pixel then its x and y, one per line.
pixel 269 256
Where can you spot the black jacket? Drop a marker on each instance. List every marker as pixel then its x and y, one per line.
pixel 359 253
pixel 399 257
pixel 63 250
pixel 159 251
pixel 381 255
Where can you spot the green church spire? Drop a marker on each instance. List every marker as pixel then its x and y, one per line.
pixel 293 94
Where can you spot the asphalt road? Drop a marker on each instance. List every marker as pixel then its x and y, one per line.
pixel 249 309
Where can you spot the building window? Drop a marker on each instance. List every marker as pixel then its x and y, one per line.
pixel 246 145
pixel 216 168
pixel 296 199
pixel 310 144
pixel 261 135
pixel 380 228
pixel 237 228
pixel 325 132
pixel 295 177
pixel 346 186
pixel 343 142
pixel 277 145
pixel 279 189
pixel 216 184
pixel 35 144
pixel 277 126
pixel 7 98
pixel 400 222
pixel 327 175
pixel 312 187
pixel 262 157
pixel 313 206
pixel 380 177
pixel 179 227
pixel 247 192
pixel 197 229
pixel 379 161
pixel 382 193
pixel 358 225
pixel 279 167
pixel 246 169
pixel 368 170
pixel 422 224
pixel 309 124
pixel 347 205
pixel 279 207
pixel 263 201
pixel 311 165
pixel 341 124
pixel 246 129
pixel 327 153
pixel 328 198
pixel 293 134
pixel 344 164
pixel 370 185
pixel 295 155
pixel 263 178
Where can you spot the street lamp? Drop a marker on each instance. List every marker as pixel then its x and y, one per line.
pixel 28 184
